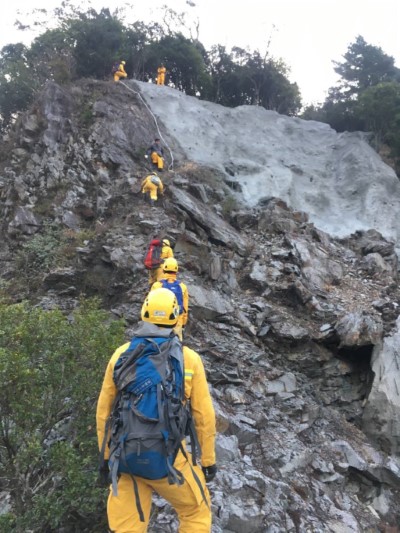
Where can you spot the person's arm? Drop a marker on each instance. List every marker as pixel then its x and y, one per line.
pixel 185 304
pixel 196 388
pixel 104 405
pixel 107 397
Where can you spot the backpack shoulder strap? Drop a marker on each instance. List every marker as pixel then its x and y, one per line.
pixel 124 374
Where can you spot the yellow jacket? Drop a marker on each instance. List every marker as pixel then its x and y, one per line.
pixel 166 252
pixel 196 389
pixel 149 186
pixel 171 278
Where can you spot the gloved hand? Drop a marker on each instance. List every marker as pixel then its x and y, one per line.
pixel 146 156
pixel 104 474
pixel 209 472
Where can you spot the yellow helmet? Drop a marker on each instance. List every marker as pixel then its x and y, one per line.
pixel 123 62
pixel 166 241
pixel 170 265
pixel 161 308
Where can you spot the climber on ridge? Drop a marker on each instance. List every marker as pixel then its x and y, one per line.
pixel 156 153
pixel 166 253
pixel 151 186
pixel 119 71
pixel 161 74
pixel 168 280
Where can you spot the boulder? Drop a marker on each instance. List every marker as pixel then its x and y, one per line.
pixel 208 304
pixel 217 229
pixel 381 417
pixel 359 329
pixel 24 221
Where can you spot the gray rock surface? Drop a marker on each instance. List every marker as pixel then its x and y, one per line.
pixel 338 179
pixel 381 418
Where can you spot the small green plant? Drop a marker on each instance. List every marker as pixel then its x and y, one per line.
pixel 86 116
pixel 228 205
pixel 71 240
pixel 40 252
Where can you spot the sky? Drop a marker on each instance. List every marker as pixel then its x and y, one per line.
pixel 307 34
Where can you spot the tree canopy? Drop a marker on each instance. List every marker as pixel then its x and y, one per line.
pixel 366 97
pixel 86 44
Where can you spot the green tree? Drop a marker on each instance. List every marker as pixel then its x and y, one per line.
pixel 86 44
pixel 51 367
pixel 184 60
pixel 364 66
pixel 248 78
pixel 98 41
pixel 379 106
pixel 51 55
pixel 17 82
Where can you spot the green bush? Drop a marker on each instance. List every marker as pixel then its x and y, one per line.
pixel 41 251
pixel 51 370
pixel 228 205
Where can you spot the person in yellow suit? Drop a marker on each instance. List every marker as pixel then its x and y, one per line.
pixel 156 153
pixel 166 252
pixel 161 74
pixel 120 72
pixel 152 185
pixel 192 503
pixel 168 281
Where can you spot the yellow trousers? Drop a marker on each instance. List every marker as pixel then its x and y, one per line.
pixel 119 74
pixel 152 189
pixel 193 513
pixel 179 328
pixel 157 160
pixel 155 275
pixel 161 79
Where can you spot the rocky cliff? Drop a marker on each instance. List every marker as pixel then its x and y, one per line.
pixel 338 179
pixel 298 327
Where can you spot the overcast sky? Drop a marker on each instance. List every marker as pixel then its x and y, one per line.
pixel 307 34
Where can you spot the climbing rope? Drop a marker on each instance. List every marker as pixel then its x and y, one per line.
pixel 155 120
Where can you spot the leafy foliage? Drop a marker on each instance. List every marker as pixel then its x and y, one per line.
pixel 379 106
pixel 242 77
pixel 367 96
pixel 17 85
pixel 51 367
pixel 364 66
pixel 98 39
pixel 41 251
pixel 87 44
pixel 184 61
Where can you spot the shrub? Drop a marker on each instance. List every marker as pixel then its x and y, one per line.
pixel 41 251
pixel 51 369
pixel 228 205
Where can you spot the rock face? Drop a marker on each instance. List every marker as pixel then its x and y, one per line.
pixel 297 328
pixel 381 418
pixel 337 179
